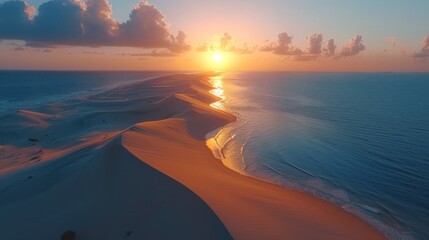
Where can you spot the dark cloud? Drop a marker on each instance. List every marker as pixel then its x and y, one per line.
pixel 424 52
pixel 283 46
pixel 98 18
pixel 59 22
pixel 353 47
pixel 15 19
pixel 90 23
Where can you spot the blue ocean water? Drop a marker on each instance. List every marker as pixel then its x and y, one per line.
pixel 29 89
pixel 359 140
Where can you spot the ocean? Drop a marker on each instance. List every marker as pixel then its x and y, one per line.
pixel 30 89
pixel 359 140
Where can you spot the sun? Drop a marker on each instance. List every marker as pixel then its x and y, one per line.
pixel 217 60
pixel 217 57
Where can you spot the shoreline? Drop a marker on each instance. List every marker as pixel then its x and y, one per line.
pixel 163 123
pixel 218 140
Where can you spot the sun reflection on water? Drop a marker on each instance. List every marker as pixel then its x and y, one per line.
pixel 218 91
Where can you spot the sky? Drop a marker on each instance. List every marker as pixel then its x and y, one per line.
pixel 195 35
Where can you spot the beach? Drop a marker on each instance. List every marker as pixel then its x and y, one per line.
pixel 133 163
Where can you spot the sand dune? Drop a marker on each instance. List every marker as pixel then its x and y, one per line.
pixel 131 163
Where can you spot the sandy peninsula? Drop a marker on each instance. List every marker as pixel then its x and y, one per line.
pixel 132 163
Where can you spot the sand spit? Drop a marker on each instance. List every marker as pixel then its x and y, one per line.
pixel 131 163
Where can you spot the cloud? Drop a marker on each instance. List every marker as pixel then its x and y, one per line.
pixel 424 51
pixel 353 47
pixel 306 58
pixel 282 46
pixel 244 49
pixel 92 52
pixel 15 19
pixel 99 22
pixel 18 49
pixel 315 43
pixel 204 47
pixel 225 43
pixel 90 23
pixel 314 50
pixel 179 44
pixel 147 27
pixel 153 53
pixel 329 51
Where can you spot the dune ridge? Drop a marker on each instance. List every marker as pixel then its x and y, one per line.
pixel 132 163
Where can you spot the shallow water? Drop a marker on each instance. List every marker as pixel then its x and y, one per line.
pixel 358 140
